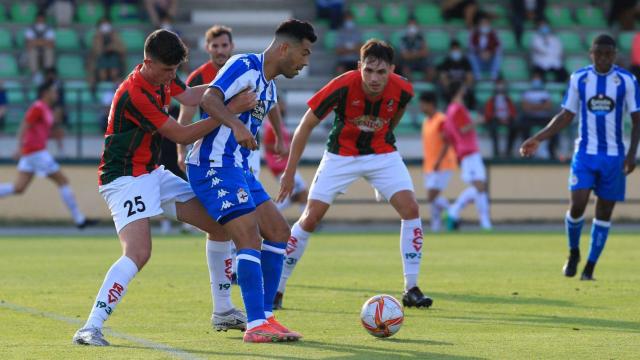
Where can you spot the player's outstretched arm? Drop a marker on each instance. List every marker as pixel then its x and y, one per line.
pixel 298 143
pixel 214 106
pixel 559 122
pixel 187 134
pixel 276 124
pixel 185 118
pixel 191 95
pixel 630 159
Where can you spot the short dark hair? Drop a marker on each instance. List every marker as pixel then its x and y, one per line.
pixel 454 87
pixel 377 49
pixel 455 43
pixel 429 97
pixel 216 31
pixel 44 87
pixel 604 39
pixel 296 29
pixel 166 47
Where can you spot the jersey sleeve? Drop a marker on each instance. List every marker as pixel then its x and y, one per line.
pixel 235 76
pixel 632 95
pixel 571 98
pixel 146 112
pixel 177 87
pixel 325 100
pixel 195 78
pixel 406 94
pixel 33 115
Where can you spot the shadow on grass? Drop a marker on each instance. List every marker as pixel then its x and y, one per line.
pixel 346 351
pixel 574 322
pixel 468 298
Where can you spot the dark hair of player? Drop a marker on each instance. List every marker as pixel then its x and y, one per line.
pixel 296 29
pixel 429 97
pixel 216 31
pixel 604 39
pixel 44 87
pixel 377 49
pixel 166 47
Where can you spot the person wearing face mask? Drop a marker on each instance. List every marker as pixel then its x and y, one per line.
pixel 456 67
pixel 40 41
pixel 499 111
pixel 107 53
pixel 414 54
pixel 348 45
pixel 536 109
pixel 546 53
pixel 485 50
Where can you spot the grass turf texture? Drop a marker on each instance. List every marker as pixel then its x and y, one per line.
pixel 496 296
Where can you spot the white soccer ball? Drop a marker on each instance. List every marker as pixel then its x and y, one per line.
pixel 382 315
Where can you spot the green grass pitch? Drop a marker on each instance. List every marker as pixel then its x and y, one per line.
pixel 498 296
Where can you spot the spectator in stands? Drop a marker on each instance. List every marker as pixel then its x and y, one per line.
pixel 547 53
pixel 634 65
pixel 40 41
pixel 59 109
pixel 456 67
pixel 106 97
pixel 3 106
pixel 348 45
pixel 414 54
pixel 624 12
pixel 62 11
pixel 523 11
pixel 460 9
pixel 107 54
pixel 330 10
pixel 500 112
pixel 485 51
pixel 536 109
pixel 158 9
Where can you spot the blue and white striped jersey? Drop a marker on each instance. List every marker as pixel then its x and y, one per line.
pixel 219 148
pixel 600 102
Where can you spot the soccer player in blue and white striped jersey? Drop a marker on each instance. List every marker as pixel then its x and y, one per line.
pixel 600 95
pixel 220 177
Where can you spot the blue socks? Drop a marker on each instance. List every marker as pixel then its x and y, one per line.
pixel 599 234
pixel 250 281
pixel 573 229
pixel 272 261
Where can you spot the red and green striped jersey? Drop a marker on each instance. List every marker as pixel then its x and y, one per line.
pixel 131 142
pixel 202 75
pixel 361 124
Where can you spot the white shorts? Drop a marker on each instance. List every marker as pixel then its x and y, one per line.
pixel 437 180
pixel 40 162
pixel 472 168
pixel 132 198
pixel 254 163
pixel 387 173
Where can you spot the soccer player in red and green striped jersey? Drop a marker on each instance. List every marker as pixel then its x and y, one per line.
pixel 368 104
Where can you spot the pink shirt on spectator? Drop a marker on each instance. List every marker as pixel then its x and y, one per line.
pixel 39 119
pixel 457 118
pixel 276 163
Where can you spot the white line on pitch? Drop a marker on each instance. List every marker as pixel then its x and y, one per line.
pixel 181 354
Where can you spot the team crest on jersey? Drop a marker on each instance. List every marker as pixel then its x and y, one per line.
pixel 573 180
pixel 616 80
pixel 242 195
pixel 369 123
pixel 601 104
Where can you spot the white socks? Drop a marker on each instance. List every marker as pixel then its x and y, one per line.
pixel 295 248
pixel 220 270
pixel 67 197
pixel 6 189
pixel 411 250
pixel 482 207
pixel 112 290
pixel 465 197
pixel 438 205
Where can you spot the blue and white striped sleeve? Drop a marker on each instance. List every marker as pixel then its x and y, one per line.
pixel 632 96
pixel 236 75
pixel 571 100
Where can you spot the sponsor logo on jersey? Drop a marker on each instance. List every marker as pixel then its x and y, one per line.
pixel 246 62
pixel 215 181
pixel 369 123
pixel 259 111
pixel 226 204
pixel 601 104
pixel 242 195
pixel 222 193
